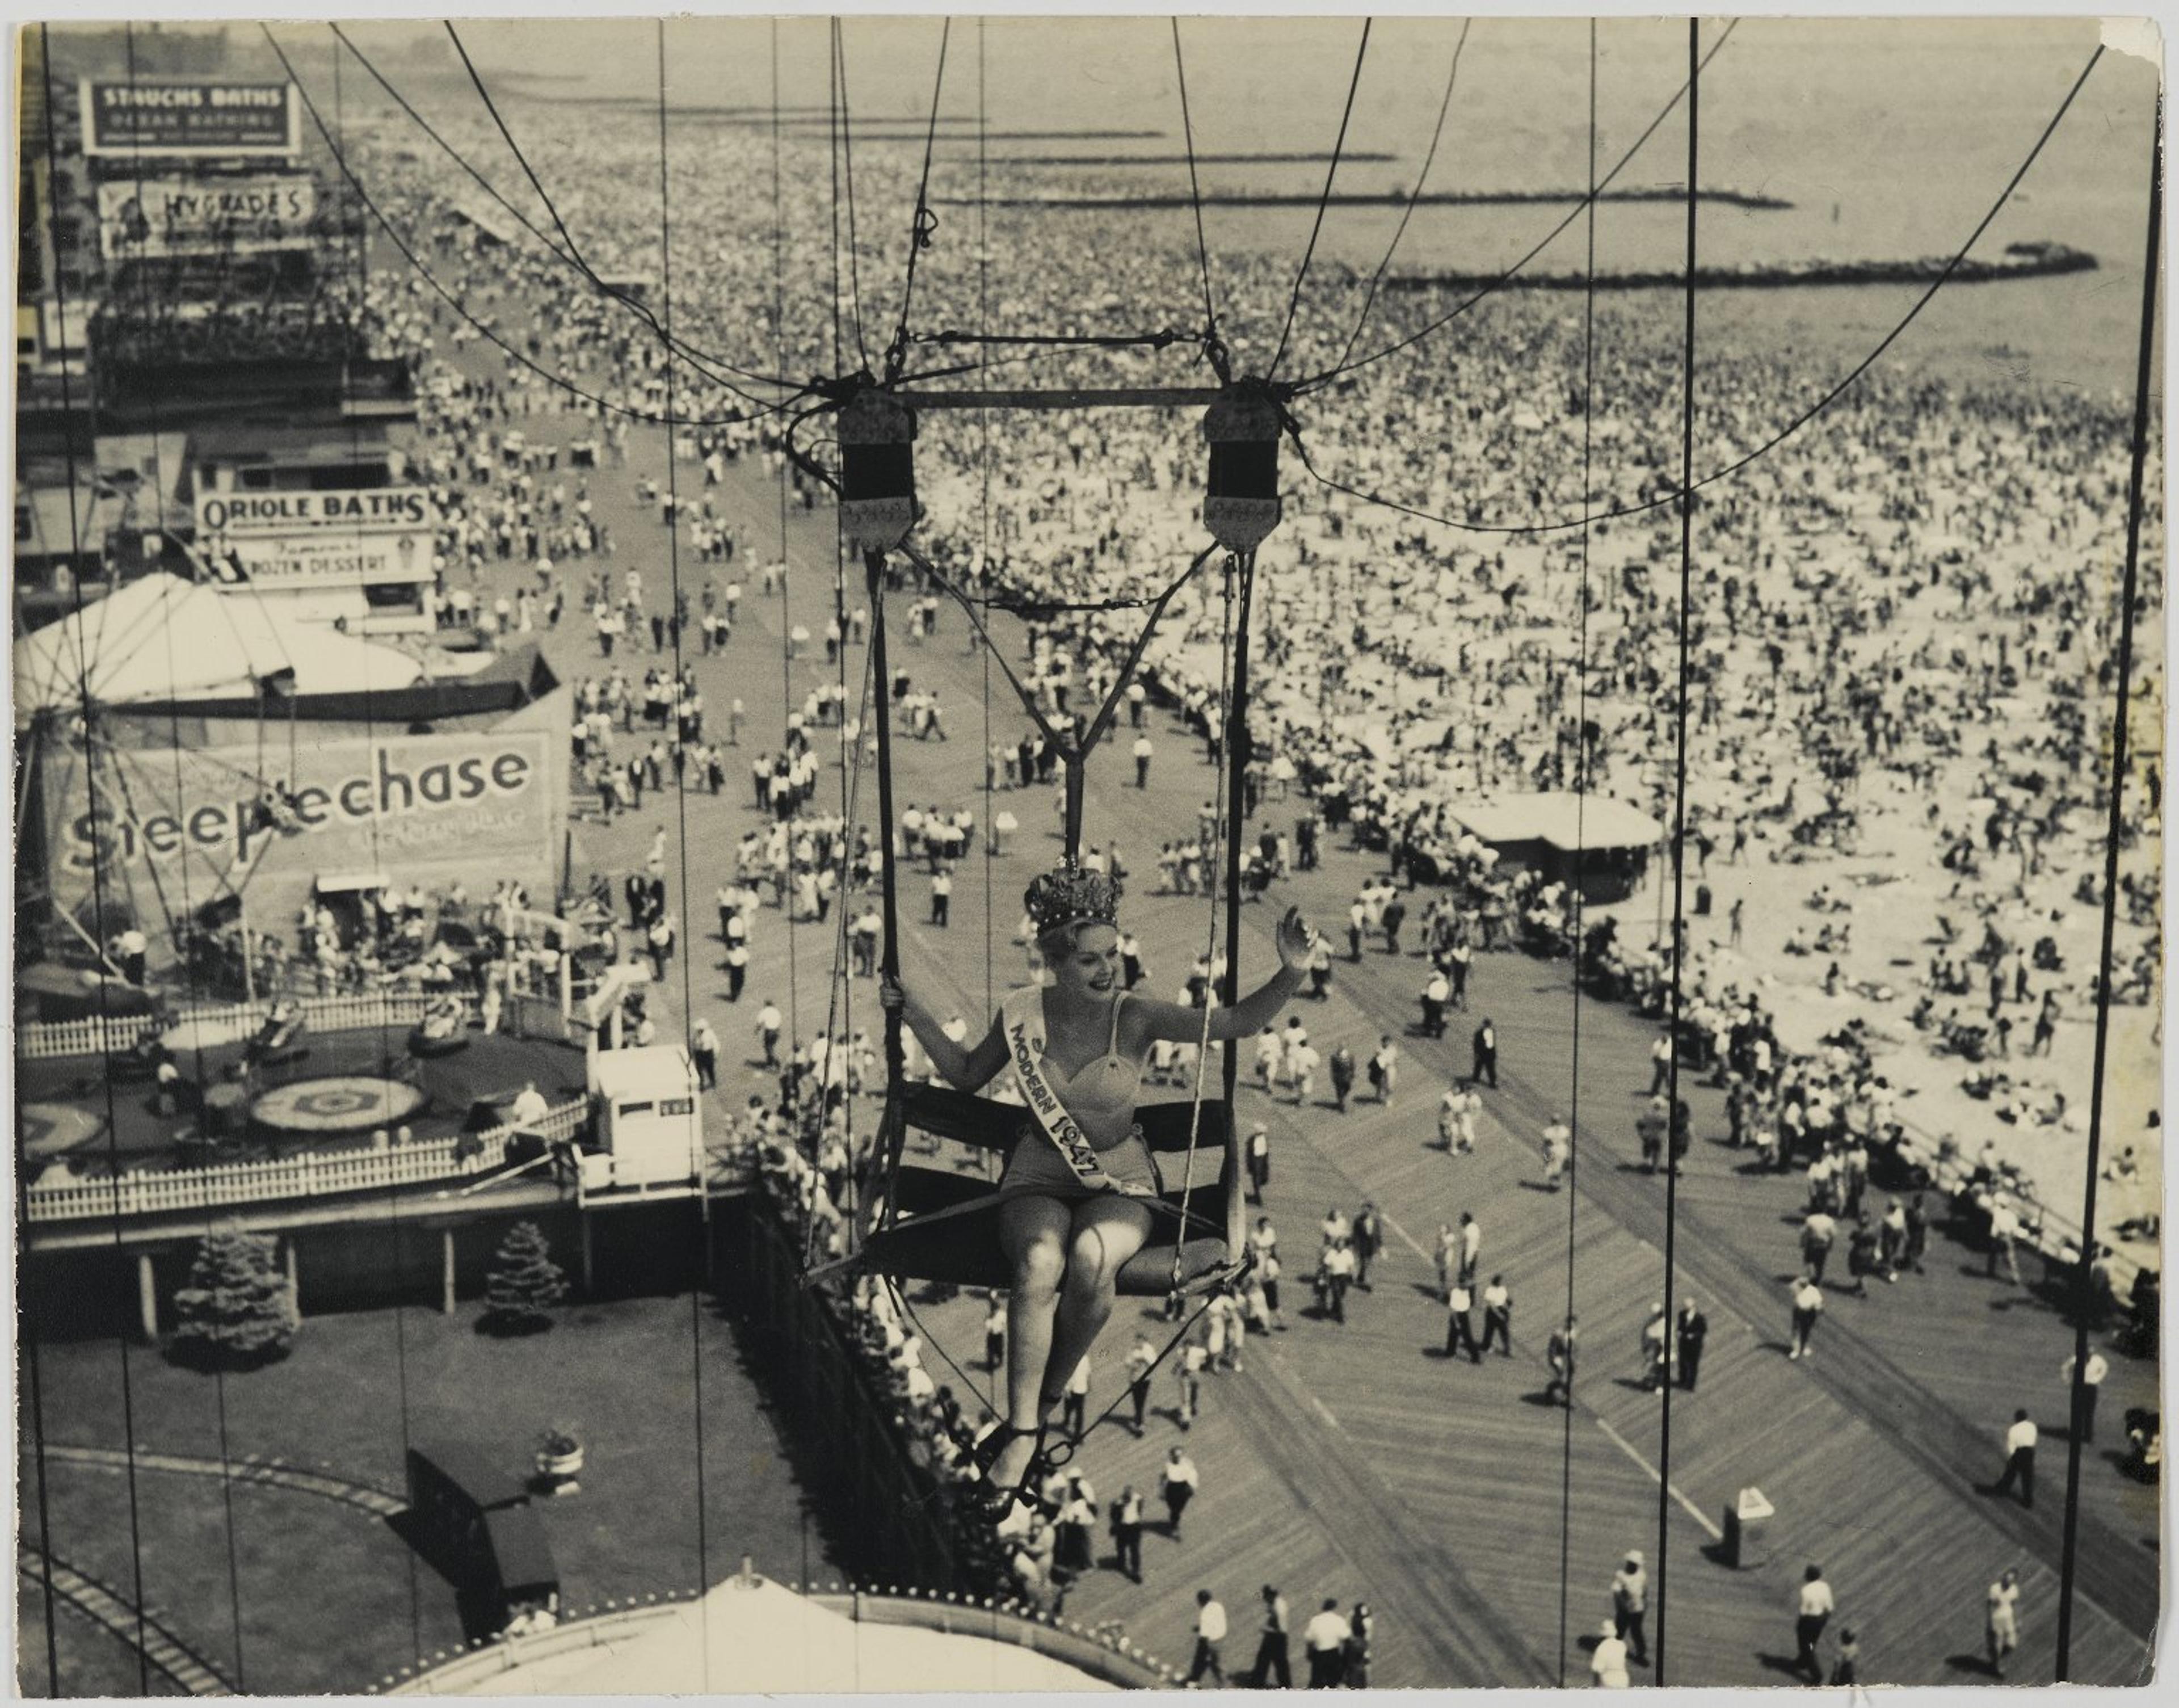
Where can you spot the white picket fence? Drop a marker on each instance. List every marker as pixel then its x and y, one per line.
pixel 99 1035
pixel 145 1192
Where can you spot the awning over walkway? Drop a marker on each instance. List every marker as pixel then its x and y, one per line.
pixel 1567 822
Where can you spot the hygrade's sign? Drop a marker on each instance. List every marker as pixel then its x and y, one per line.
pixel 159 217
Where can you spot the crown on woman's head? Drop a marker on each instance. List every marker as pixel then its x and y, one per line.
pixel 1068 895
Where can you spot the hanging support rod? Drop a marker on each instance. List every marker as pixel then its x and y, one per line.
pixel 1067 398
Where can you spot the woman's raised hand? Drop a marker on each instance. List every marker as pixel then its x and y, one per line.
pixel 1297 940
pixel 890 996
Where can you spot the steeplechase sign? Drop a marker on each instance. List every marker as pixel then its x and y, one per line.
pixel 479 806
pixel 195 118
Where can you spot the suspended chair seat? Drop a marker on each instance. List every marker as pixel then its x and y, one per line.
pixel 961 1247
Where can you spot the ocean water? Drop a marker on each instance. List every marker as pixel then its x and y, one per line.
pixel 1893 137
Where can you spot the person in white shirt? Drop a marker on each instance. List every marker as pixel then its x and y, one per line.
pixel 1608 1665
pixel 1177 1482
pixel 1471 1106
pixel 1498 1316
pixel 529 1109
pixel 1188 1365
pixel 1324 1640
pixel 2019 1459
pixel 1460 1323
pixel 1807 1306
pixel 1813 1608
pixel 132 947
pixel 704 1052
pixel 2004 1229
pixel 1471 1246
pixel 1210 1633
pixel 1301 1068
pixel 1558 1147
pixel 1661 1064
pixel 1385 1068
pixel 1142 1359
pixel 1338 1270
pixel 1074 1408
pixel 2084 1408
pixel 2002 1625
pixel 1259 1161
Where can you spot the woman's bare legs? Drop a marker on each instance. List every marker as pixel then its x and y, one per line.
pixel 1065 1261
pixel 1107 1230
pixel 1033 1233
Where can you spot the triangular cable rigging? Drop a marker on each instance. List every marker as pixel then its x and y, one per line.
pixel 1422 181
pixel 407 253
pixel 1323 200
pixel 569 256
pixel 922 223
pixel 1619 512
pixel 1316 382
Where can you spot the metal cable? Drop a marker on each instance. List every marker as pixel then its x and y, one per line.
pixel 38 756
pixel 409 254
pixel 983 512
pixel 847 144
pixel 1316 380
pixel 673 626
pixel 1323 200
pixel 337 142
pixel 1214 350
pixel 2143 383
pixel 188 915
pixel 1407 213
pixel 1221 803
pixel 1580 810
pixel 1784 433
pixel 570 256
pixel 922 223
pixel 1678 949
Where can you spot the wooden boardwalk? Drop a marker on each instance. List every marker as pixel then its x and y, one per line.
pixel 1872 1451
pixel 1354 1462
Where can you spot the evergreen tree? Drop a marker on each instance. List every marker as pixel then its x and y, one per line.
pixel 523 1284
pixel 236 1311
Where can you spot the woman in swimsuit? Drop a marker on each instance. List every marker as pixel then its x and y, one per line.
pixel 1066 1239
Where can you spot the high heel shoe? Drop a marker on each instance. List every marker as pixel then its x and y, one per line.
pixel 997 1500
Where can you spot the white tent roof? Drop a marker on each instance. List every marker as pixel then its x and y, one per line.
pixel 325 660
pixel 1565 821
pixel 163 638
pixel 158 639
pixel 764 1640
